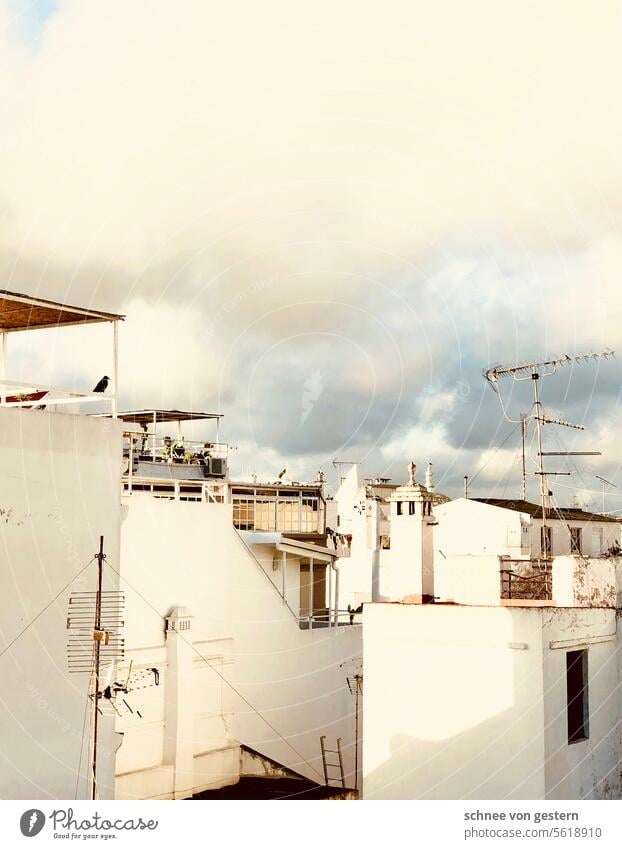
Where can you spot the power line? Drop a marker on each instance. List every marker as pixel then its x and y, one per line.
pixel 498 448
pixel 41 612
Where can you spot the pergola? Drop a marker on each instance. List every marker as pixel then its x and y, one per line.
pixel 144 418
pixel 19 312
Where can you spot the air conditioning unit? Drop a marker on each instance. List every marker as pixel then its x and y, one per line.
pixel 217 467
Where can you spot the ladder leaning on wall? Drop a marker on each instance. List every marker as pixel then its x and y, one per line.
pixel 337 780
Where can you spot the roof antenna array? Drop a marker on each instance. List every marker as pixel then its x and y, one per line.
pixel 534 371
pixel 95 645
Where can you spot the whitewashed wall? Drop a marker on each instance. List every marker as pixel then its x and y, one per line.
pixel 588 769
pixel 597 537
pixel 470 527
pixel 60 480
pixel 453 702
pixel 188 554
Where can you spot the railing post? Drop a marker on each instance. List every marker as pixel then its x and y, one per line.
pixel 3 364
pixel 283 569
pixel 311 588
pixel 336 595
pixel 329 572
pixel 131 469
pixel 115 367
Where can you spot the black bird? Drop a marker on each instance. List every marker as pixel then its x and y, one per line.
pixel 103 384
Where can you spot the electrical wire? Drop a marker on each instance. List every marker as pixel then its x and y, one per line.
pixel 47 606
pixel 498 448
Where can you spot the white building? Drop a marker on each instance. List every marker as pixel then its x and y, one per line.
pixel 233 608
pixel 60 477
pixel 232 654
pixel 364 521
pixel 243 656
pixel 514 528
pixel 493 693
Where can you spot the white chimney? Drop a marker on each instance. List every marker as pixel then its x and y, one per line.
pixel 429 478
pixel 412 553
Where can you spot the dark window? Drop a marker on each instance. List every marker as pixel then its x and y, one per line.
pixel 575 540
pixel 411 508
pixel 577 695
pixel 399 508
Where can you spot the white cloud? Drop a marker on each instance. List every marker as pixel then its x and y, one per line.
pixel 241 161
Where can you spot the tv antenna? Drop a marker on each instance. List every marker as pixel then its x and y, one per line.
pixel 604 482
pixel 355 686
pixel 534 371
pixel 96 645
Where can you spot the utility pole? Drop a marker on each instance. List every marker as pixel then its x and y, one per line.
pixel 97 636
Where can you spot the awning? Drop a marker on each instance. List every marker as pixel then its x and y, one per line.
pixel 24 312
pixel 147 417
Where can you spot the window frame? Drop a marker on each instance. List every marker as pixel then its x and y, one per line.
pixel 577 696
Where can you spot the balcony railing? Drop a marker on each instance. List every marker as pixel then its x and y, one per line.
pixel 321 619
pixel 526 585
pixel 35 395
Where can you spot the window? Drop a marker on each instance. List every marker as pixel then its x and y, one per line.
pixel 546 541
pixel 597 541
pixel 577 695
pixel 411 508
pixel 575 540
pixel 399 508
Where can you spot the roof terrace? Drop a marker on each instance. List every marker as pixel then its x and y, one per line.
pixel 18 313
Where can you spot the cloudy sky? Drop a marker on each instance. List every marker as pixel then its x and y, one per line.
pixel 325 219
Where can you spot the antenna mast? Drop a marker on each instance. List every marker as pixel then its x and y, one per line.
pixel 97 636
pixel 534 371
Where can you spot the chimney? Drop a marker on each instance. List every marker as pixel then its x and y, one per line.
pixel 411 553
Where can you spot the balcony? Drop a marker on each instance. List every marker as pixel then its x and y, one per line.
pixel 19 313
pixel 523 580
pixel 180 468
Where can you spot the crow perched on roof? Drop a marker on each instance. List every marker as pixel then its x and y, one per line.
pixel 103 384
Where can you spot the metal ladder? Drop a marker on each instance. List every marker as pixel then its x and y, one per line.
pixel 340 779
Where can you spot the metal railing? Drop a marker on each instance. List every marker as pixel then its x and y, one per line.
pixel 167 449
pixel 320 619
pixel 34 394
pixel 526 586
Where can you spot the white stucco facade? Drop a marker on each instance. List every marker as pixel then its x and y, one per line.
pixel 470 527
pixel 243 656
pixel 479 704
pixel 59 491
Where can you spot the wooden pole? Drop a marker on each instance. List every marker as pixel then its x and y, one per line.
pixel 97 637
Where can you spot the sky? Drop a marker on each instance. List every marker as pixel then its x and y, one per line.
pixel 326 219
